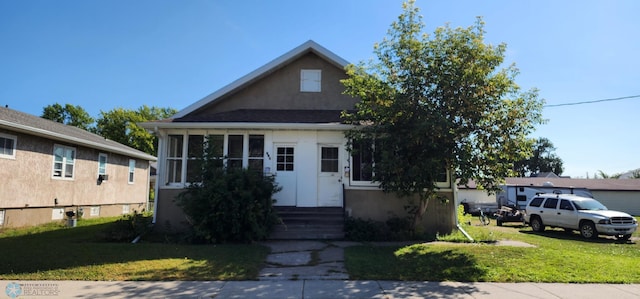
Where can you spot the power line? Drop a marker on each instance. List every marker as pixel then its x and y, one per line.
pixel 591 102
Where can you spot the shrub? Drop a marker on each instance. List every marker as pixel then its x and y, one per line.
pixel 230 205
pixel 128 227
pixel 394 229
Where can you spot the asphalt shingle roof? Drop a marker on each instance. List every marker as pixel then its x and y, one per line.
pixel 26 123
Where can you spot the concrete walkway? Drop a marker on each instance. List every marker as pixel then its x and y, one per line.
pixel 309 289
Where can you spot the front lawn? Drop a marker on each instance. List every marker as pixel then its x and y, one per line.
pixel 54 252
pixel 557 257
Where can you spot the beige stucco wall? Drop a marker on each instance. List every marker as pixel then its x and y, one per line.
pixel 35 216
pixel 379 206
pixel 281 90
pixel 29 183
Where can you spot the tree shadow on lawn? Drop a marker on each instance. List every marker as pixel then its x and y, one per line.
pixel 68 248
pixel 573 236
pixel 449 265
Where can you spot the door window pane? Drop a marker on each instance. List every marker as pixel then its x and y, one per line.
pixel 329 159
pixel 284 159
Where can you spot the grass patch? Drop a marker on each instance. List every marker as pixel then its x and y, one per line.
pixel 55 252
pixel 557 257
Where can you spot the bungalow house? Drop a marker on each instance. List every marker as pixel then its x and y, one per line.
pixel 283 119
pixel 49 169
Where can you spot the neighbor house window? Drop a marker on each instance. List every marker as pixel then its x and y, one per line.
pixel 7 146
pixel 126 209
pixel 63 161
pixel 94 211
pixel 174 159
pixel 102 164
pixel 57 213
pixel 310 80
pixel 132 170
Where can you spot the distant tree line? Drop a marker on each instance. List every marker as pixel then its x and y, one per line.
pixel 118 124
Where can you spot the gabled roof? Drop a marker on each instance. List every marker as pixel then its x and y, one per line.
pixel 32 125
pixel 309 46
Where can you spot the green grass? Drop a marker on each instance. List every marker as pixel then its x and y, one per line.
pixel 557 257
pixel 54 252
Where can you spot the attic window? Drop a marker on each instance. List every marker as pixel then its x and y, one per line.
pixel 310 80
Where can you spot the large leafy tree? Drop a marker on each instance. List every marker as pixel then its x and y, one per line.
pixel 439 101
pixel 121 125
pixel 543 159
pixel 69 115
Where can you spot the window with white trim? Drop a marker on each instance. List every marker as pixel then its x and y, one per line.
pixel 7 146
pixel 57 213
pixel 363 156
pixel 94 211
pixel 234 150
pixel 102 164
pixel 1 217
pixel 126 209
pixel 63 161
pixel 174 159
pixel 310 80
pixel 132 170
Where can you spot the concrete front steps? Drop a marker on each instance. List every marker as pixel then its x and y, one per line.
pixel 319 223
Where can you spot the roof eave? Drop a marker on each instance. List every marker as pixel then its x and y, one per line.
pixel 247 125
pixel 74 140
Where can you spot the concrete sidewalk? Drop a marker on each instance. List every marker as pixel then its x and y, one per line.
pixel 310 289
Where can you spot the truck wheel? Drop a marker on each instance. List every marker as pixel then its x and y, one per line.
pixel 536 224
pixel 588 230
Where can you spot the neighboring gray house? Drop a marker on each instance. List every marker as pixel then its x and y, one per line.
pixel 616 194
pixel 283 119
pixel 49 168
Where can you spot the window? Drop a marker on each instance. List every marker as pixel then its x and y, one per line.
pixel 536 202
pixel 57 213
pixel 362 157
pixel 174 159
pixel 284 159
pixel 94 211
pixel 256 152
pixel 310 80
pixel 7 146
pixel 132 170
pixel 63 161
pixel 102 164
pixel 566 205
pixel 329 159
pixel 195 153
pixel 551 203
pixel 1 217
pixel 235 150
pixel 126 209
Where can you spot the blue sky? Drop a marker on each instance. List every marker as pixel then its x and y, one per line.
pixel 106 54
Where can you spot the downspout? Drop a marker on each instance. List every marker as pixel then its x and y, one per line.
pixel 159 172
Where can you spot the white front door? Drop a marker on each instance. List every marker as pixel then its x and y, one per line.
pixel 285 169
pixel 329 176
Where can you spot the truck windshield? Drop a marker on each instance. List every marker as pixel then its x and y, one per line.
pixel 589 204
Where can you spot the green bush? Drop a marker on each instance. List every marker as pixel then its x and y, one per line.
pixel 394 229
pixel 230 205
pixel 128 227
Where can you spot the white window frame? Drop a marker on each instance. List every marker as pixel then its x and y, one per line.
pixel 225 150
pixel 443 185
pixel 57 213
pixel 126 209
pixel 2 213
pixel 94 211
pixel 64 162
pixel 132 170
pixel 310 80
pixel 102 170
pixel 13 148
